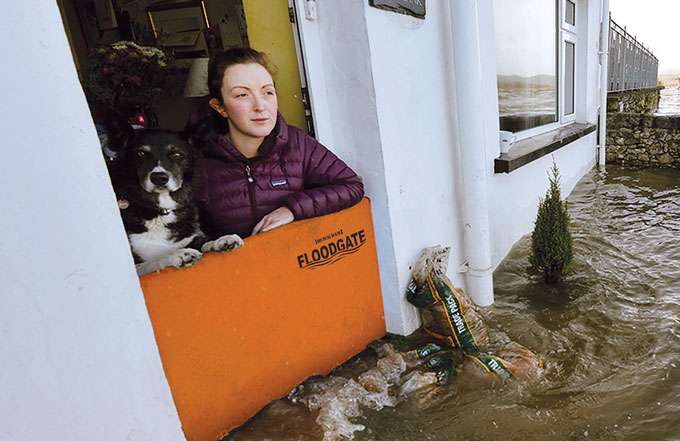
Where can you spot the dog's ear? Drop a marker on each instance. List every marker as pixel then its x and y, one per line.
pixel 196 133
pixel 118 130
pixel 199 126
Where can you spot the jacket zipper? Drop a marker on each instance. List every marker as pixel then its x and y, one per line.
pixel 251 194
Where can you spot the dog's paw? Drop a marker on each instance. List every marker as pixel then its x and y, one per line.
pixel 185 257
pixel 230 242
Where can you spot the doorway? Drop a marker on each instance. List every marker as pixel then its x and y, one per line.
pixel 264 25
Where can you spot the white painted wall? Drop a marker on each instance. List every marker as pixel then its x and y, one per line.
pixel 414 83
pixel 352 114
pixel 395 129
pixel 514 197
pixel 390 88
pixel 78 359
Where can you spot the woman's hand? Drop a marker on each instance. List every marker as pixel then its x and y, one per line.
pixel 280 216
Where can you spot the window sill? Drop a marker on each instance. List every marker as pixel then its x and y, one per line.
pixel 535 147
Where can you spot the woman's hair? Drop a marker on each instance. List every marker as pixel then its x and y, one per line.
pixel 221 61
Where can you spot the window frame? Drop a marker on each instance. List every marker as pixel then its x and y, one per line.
pixel 537 142
pixel 564 32
pixel 563 16
pixel 568 34
pixel 563 117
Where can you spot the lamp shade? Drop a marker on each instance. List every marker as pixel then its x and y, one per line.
pixel 197 80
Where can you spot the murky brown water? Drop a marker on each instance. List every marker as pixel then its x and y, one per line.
pixel 609 334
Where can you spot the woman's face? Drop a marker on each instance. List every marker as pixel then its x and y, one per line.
pixel 249 100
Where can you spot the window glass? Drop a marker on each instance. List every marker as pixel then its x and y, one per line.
pixel 526 42
pixel 570 13
pixel 569 78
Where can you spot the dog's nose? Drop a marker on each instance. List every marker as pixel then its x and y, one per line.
pixel 159 178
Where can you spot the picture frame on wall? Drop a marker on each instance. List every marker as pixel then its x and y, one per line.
pixel 90 24
pixel 178 17
pixel 106 15
pixel 213 39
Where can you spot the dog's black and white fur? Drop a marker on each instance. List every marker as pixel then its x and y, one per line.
pixel 154 175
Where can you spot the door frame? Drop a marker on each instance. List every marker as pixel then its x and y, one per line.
pixel 312 75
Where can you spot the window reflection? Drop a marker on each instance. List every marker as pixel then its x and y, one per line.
pixel 527 63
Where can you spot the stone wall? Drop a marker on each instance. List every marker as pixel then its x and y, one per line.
pixel 640 140
pixel 634 101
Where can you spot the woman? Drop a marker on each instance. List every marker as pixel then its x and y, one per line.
pixel 259 173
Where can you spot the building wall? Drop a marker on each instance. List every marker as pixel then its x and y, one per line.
pixel 78 358
pixel 392 122
pixel 514 197
pixel 414 84
pixel 390 86
pixel 352 116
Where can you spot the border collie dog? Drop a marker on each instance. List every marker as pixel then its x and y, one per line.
pixel 155 177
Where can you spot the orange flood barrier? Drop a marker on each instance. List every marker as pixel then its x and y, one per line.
pixel 240 329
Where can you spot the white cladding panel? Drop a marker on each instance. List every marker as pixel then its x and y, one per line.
pixel 78 358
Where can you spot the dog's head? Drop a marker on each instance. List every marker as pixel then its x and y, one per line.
pixel 162 160
pixel 158 160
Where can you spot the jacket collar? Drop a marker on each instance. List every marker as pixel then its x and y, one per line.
pixel 273 142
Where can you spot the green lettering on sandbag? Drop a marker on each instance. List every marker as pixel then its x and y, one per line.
pixel 442 364
pixel 494 365
pixel 428 350
pixel 419 297
pixel 461 329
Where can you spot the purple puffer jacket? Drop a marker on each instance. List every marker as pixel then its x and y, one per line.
pixel 292 169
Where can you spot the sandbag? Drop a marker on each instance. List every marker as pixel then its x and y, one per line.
pixel 418 356
pixel 520 360
pixel 488 368
pixel 447 313
pixel 434 368
pixel 508 361
pixel 419 387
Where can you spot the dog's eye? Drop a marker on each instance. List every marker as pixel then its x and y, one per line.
pixel 176 155
pixel 141 153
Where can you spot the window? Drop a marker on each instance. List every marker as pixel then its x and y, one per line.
pixel 537 61
pixel 567 60
pixel 526 54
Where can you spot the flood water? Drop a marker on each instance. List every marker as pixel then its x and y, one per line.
pixel 609 334
pixel 669 101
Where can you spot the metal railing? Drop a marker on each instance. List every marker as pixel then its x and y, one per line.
pixel 631 65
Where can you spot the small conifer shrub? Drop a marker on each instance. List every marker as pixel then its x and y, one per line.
pixel 551 241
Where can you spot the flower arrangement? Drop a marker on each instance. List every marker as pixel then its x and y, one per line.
pixel 125 75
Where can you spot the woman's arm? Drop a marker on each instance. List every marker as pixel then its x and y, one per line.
pixel 330 185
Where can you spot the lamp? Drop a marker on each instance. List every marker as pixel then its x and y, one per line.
pixel 197 80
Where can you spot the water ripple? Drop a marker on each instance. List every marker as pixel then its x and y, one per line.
pixel 609 333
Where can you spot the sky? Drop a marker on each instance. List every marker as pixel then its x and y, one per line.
pixel 655 24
